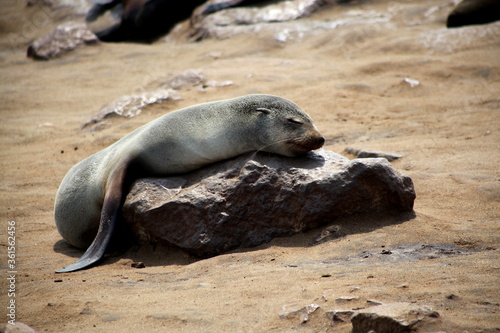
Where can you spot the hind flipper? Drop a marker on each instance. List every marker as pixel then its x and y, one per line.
pixel 96 250
pixel 109 214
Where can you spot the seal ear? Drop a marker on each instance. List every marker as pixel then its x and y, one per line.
pixel 263 110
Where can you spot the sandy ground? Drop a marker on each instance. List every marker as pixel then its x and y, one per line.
pixel 350 82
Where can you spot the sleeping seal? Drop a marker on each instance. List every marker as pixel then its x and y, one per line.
pixel 140 20
pixel 470 12
pixel 91 194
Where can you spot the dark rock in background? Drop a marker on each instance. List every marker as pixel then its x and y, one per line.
pixel 250 200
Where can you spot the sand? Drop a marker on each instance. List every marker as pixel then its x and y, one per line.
pixel 351 81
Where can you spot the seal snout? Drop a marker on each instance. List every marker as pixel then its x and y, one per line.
pixel 314 142
pixel 305 144
pixel 319 142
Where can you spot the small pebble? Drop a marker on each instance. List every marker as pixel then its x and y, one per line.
pixel 354 289
pixel 138 264
pixel 373 302
pixel 344 299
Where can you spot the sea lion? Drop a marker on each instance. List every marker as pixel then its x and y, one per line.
pixel 140 20
pixel 91 194
pixel 471 12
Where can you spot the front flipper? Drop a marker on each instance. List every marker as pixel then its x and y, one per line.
pixel 109 214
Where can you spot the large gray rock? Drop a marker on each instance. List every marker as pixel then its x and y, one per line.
pixel 65 38
pixel 249 200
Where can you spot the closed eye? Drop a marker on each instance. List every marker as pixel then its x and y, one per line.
pixel 263 110
pixel 295 121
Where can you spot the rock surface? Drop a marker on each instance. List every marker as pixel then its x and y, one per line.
pixel 294 310
pixel 391 318
pixel 360 153
pixel 395 317
pixel 249 200
pixel 65 38
pixel 128 106
pixel 207 18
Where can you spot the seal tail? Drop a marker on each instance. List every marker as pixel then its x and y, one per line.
pixel 109 214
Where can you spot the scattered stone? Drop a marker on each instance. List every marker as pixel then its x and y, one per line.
pixel 327 234
pixel 125 262
pixel 359 153
pixel 58 280
pixel 138 264
pixel 323 299
pixel 339 316
pixel 373 302
pixel 205 19
pixel 411 82
pixel 110 317
pixel 346 299
pixel 451 296
pixel 391 318
pixel 193 78
pixel 188 78
pixel 130 106
pixel 65 38
pixel 86 311
pixel 46 124
pixel 216 84
pixel 17 328
pixel 294 310
pixel 407 252
pixel 249 200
